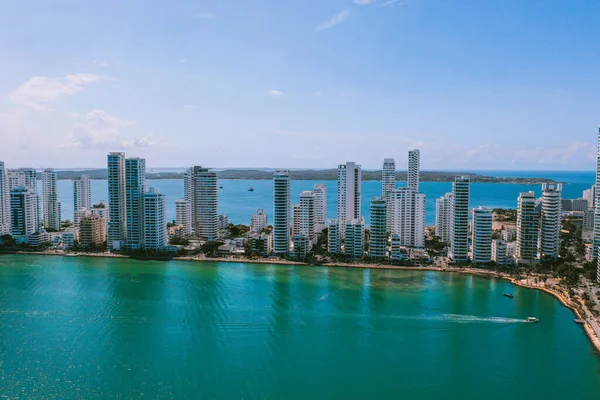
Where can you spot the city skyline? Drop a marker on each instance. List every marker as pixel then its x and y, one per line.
pixel 296 82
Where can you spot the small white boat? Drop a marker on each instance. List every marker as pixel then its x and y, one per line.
pixel 532 319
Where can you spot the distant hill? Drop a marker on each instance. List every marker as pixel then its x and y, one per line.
pixel 315 175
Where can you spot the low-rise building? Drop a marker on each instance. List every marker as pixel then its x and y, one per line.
pixel 258 221
pixel 223 222
pixel 508 235
pixel 92 231
pixel 38 239
pixel 399 252
pixel 499 251
pixel 301 245
pixel 261 244
pixel 68 237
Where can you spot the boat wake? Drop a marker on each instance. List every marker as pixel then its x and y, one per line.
pixel 461 319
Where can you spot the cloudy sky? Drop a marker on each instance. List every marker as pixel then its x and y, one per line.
pixel 495 84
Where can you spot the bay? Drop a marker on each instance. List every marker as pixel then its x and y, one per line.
pixel 102 328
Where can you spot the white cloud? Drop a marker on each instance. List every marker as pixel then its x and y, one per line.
pixel 204 15
pixel 38 91
pixel 277 93
pixel 390 2
pixel 335 20
pixel 101 63
pixel 364 2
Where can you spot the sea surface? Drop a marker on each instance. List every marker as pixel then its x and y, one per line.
pixel 100 328
pixel 239 204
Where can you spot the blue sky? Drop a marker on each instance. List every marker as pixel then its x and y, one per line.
pixel 494 84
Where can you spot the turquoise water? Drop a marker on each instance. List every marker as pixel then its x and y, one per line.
pixel 111 328
pixel 238 204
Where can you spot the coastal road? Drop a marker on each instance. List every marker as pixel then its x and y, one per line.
pixel 591 291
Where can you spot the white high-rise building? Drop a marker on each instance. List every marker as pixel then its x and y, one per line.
pixel 596 242
pixel 201 190
pixel 281 212
pixel 590 196
pixel 482 235
pixel 296 219
pixel 154 220
pixel 443 216
pixel 550 220
pixel 499 251
pixel 82 195
pixel 388 185
pixel 101 209
pixel 334 239
pixel 5 224
pixel 50 200
pixel 349 193
pixel 459 237
pixel 527 228
pixel 408 217
pixel 354 244
pixel 26 177
pixel 320 191
pixel 183 215
pixel 378 228
pixel 258 221
pixel 117 224
pixel 135 187
pixel 414 166
pixel 307 217
pixel 23 208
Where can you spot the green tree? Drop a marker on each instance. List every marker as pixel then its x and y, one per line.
pixel 210 248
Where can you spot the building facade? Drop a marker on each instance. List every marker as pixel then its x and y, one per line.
pixel 307 217
pixel 482 235
pixel 349 193
pixel 5 224
pixel 443 216
pixel 135 187
pixel 388 185
pixel 414 167
pixel 408 217
pixel 183 215
pixel 334 240
pixel 281 212
pixel 258 221
pixel 459 238
pixel 155 220
pixel 551 220
pixel 527 229
pixel 201 190
pixel 296 219
pixel 92 231
pixel 354 244
pixel 51 205
pixel 117 225
pixel 82 195
pixel 499 255
pixel 378 228
pixel 320 191
pixel 23 209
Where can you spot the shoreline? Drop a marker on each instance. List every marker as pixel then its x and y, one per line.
pixel 595 340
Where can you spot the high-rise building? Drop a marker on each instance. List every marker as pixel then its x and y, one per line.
pixel 527 229
pixel 590 196
pixel 92 231
pixel 281 212
pixel 82 195
pixel 296 219
pixel 414 166
pixel 443 216
pixel 135 187
pixel 320 191
pixel 26 177
pixel 550 220
pixel 117 224
pixel 459 238
pixel 307 217
pixel 334 241
pixel 183 215
pixel 399 252
pixel 258 221
pixel 482 235
pixel 155 220
pixel 596 242
pixel 388 185
pixel 349 193
pixel 378 229
pixel 23 209
pixel 223 222
pixel 408 217
pixel 50 200
pixel 499 251
pixel 201 190
pixel 4 202
pixel 101 209
pixel 354 245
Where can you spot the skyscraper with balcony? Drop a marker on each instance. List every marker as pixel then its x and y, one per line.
pixel 296 219
pixel 23 209
pixel 50 200
pixel 183 215
pixel 307 217
pixel 527 229
pixel 443 216
pixel 201 189
pixel 334 241
pixel 408 217
pixel 258 221
pixel 354 245
pixel 550 220
pixel 82 195
pixel 459 240
pixel 117 225
pixel 388 185
pixel 378 231
pixel 349 193
pixel 414 167
pixel 26 177
pixel 5 225
pixel 281 212
pixel 135 187
pixel 155 220
pixel 482 235
pixel 596 242
pixel 320 191
pixel 499 251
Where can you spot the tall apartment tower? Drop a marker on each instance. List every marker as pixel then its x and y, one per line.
pixel 482 235
pixel 414 166
pixel 334 241
pixel 459 238
pixel 281 212
pixel 320 191
pixel 154 220
pixel 499 251
pixel 82 195
pixel 596 243
pixel 258 221
pixel 50 200
pixel 378 238
pixel 307 216
pixel 527 228
pixel 4 202
pixel 26 177
pixel 296 219
pixel 550 220
pixel 135 187
pixel 117 224
pixel 23 207
pixel 408 217
pixel 355 236
pixel 183 215
pixel 443 216
pixel 388 185
pixel 201 190
pixel 349 193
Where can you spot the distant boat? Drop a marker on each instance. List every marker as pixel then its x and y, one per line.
pixel 509 295
pixel 580 321
pixel 532 319
pixel 220 187
pixel 251 190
